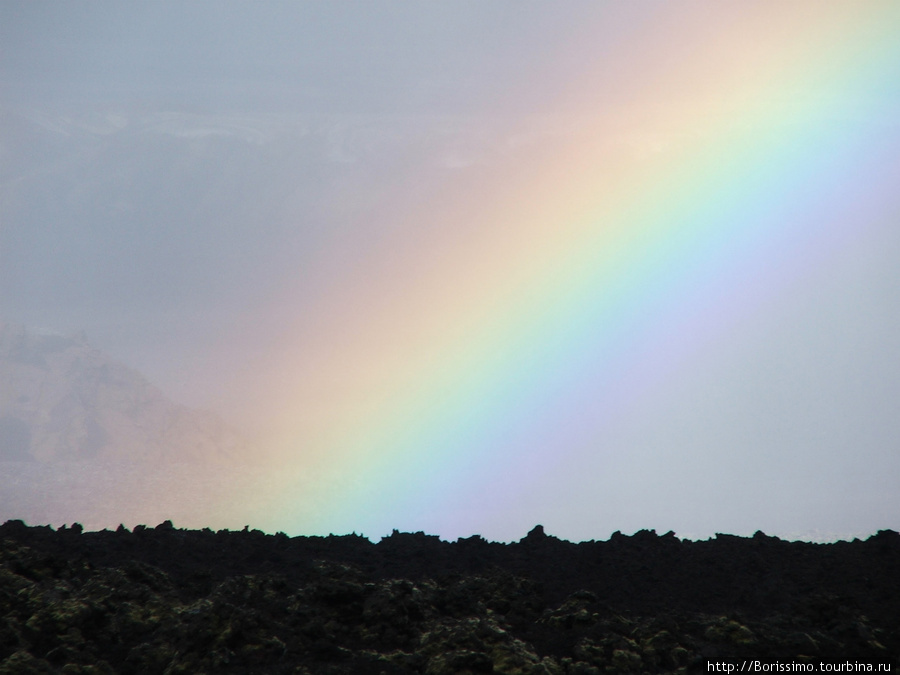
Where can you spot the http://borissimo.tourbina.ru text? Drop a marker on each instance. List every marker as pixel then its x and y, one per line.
pixel 757 666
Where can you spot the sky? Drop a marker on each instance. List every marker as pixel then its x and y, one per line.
pixel 467 267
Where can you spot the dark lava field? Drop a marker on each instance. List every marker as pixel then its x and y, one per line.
pixel 164 600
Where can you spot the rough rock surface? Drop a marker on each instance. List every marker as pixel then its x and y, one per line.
pixel 165 600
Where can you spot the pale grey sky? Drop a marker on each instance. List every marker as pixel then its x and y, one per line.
pixel 168 169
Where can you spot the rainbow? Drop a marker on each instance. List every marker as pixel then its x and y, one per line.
pixel 500 322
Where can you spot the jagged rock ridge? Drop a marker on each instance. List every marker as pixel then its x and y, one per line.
pixel 163 600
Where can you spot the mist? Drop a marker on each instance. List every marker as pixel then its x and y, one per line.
pixel 410 252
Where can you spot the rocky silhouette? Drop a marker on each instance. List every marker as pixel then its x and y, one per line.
pixel 167 600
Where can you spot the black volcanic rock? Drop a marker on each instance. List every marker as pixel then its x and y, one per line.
pixel 166 600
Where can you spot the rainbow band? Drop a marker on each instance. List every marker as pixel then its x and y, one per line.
pixel 487 345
